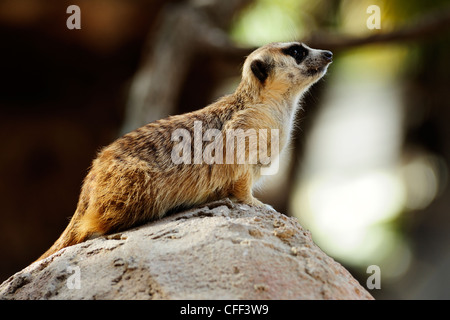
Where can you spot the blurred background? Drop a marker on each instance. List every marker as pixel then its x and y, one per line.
pixel 368 166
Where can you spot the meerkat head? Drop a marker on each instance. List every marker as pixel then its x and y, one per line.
pixel 285 68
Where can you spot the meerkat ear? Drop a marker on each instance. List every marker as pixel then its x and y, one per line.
pixel 260 69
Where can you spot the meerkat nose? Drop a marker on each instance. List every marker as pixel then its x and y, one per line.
pixel 328 55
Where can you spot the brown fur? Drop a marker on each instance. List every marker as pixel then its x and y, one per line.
pixel 134 180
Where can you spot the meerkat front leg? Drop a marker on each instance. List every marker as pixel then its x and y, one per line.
pixel 242 191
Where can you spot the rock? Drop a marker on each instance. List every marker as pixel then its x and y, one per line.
pixel 220 251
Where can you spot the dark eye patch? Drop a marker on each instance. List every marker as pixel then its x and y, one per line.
pixel 297 51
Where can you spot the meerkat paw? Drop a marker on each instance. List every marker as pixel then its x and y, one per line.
pixel 256 203
pixel 269 207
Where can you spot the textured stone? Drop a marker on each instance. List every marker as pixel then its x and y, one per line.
pixel 220 251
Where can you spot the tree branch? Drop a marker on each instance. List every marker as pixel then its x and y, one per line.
pixel 428 25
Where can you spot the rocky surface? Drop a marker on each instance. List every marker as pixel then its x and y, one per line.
pixel 220 251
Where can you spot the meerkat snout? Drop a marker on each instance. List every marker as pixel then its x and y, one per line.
pixel 328 55
pixel 317 61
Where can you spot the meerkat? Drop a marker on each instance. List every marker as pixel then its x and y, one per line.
pixel 135 180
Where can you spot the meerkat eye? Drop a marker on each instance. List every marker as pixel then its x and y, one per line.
pixel 298 52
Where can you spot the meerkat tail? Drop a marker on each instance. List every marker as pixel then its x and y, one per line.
pixel 69 237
